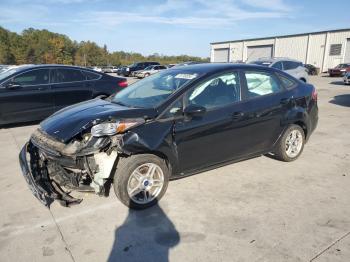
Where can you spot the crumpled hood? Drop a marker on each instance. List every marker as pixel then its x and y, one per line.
pixel 70 121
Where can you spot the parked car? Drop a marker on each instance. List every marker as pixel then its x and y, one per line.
pixel 128 70
pixel 169 125
pixel 290 66
pixel 150 70
pixel 97 69
pixel 311 69
pixel 339 70
pixel 187 63
pixel 30 93
pixel 119 70
pixel 109 69
pixel 347 78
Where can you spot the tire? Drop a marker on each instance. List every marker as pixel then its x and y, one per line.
pixel 281 151
pixel 147 75
pixel 124 177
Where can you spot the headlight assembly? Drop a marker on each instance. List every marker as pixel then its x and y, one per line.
pixel 112 128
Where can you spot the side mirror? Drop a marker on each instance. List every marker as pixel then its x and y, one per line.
pixel 13 85
pixel 194 110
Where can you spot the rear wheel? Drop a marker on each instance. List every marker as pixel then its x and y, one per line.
pixel 291 144
pixel 140 181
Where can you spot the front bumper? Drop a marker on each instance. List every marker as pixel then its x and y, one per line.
pixel 38 180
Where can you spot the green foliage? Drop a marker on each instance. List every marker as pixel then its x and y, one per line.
pixel 45 47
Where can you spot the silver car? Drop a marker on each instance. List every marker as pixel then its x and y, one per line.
pixel 150 70
pixel 293 67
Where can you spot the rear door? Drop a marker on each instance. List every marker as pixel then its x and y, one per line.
pixel 265 102
pixel 30 99
pixel 70 86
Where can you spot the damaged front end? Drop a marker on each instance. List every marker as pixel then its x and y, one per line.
pixel 54 169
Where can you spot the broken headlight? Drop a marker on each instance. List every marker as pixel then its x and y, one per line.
pixel 112 128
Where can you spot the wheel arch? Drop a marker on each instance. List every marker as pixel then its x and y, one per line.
pixel 303 126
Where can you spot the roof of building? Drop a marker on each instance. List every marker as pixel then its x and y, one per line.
pixel 281 36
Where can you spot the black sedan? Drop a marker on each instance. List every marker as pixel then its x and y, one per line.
pixel 170 125
pixel 33 92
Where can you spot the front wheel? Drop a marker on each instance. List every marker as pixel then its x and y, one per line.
pixel 291 144
pixel 140 181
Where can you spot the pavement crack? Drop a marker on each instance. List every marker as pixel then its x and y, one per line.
pixel 330 246
pixel 62 237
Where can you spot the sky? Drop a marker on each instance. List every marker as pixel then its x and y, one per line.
pixel 172 27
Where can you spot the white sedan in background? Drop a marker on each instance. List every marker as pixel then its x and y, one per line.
pixel 150 70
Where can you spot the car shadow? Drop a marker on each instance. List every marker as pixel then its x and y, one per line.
pixel 340 83
pixel 145 235
pixel 341 100
pixel 8 126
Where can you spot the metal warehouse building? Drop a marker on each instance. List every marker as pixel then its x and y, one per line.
pixel 324 49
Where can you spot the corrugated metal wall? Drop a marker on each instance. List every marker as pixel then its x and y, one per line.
pixel 316 50
pixel 310 48
pixel 336 38
pixel 293 47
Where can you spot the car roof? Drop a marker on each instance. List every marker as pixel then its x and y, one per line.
pixel 39 66
pixel 216 67
pixel 276 59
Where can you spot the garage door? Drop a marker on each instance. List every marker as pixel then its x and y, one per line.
pixel 221 55
pixel 347 52
pixel 256 52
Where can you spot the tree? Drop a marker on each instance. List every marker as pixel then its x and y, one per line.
pixel 42 46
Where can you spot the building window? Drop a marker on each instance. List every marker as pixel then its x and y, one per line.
pixel 335 49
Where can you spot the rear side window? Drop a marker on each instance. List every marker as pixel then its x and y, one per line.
pixel 261 83
pixel 287 82
pixel 277 65
pixel 90 75
pixel 67 75
pixel 34 77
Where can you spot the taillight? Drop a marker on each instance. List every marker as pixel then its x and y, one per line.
pixel 123 83
pixel 314 94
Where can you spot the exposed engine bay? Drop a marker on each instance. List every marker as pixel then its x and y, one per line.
pixel 85 164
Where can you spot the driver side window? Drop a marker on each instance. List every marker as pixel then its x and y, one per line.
pixel 216 92
pixel 33 77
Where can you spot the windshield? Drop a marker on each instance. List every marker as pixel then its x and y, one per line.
pixel 154 90
pixel 262 63
pixel 342 66
pixel 149 68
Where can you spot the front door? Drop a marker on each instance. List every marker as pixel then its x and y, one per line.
pixel 208 139
pixel 26 97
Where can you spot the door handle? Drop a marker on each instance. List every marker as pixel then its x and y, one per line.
pixel 285 101
pixel 237 115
